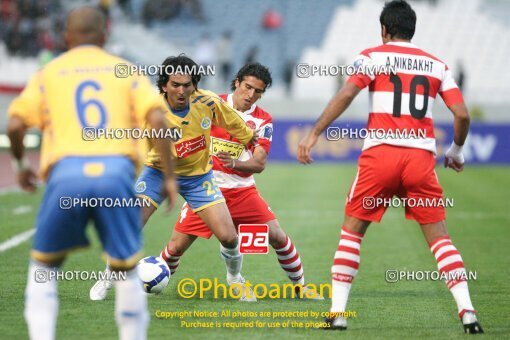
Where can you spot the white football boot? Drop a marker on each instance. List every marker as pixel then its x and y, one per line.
pixel 100 289
pixel 240 288
pixel 338 323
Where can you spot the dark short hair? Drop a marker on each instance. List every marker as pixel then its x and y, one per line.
pixel 256 70
pixel 181 62
pixel 399 19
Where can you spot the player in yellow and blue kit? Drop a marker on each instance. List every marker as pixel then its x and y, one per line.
pixel 193 111
pixel 77 91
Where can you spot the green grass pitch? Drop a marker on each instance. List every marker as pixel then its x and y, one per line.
pixel 309 204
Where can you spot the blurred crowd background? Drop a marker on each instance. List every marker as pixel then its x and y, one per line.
pixel 471 36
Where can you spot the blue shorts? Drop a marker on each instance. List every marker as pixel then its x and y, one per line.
pixel 199 191
pixel 63 217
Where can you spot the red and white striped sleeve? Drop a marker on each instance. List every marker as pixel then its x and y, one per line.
pixel 266 134
pixel 362 80
pixel 449 90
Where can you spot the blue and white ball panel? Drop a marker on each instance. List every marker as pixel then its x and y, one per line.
pixel 62 228
pixel 154 273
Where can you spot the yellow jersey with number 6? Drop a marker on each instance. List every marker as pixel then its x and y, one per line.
pixel 78 93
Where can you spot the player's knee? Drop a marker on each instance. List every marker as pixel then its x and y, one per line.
pixel 433 231
pixel 227 235
pixel 355 224
pixel 277 236
pixel 277 241
pixel 229 240
pixel 175 248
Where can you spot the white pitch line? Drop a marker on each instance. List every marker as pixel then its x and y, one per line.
pixel 9 190
pixel 21 210
pixel 15 189
pixel 16 240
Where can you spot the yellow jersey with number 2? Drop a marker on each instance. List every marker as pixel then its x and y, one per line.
pixel 191 152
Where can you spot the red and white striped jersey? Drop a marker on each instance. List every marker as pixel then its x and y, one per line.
pixel 255 118
pixel 401 103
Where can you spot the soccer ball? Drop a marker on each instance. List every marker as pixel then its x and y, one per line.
pixel 154 273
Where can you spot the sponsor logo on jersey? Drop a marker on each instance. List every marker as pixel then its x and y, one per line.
pixel 268 132
pixel 251 124
pixel 189 147
pixel 220 145
pixel 140 186
pixel 358 63
pixel 206 123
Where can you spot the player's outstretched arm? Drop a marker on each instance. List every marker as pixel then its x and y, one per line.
pixel 254 165
pixel 453 156
pixel 335 108
pixel 16 130
pixel 156 119
pixel 229 119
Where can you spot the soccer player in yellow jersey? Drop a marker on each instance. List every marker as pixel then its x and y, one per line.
pixel 77 91
pixel 193 112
